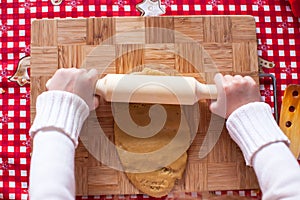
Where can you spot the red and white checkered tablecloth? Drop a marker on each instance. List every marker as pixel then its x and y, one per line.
pixel 278 34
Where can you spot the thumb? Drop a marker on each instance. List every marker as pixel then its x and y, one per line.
pixel 219 80
pixel 93 75
pixel 213 106
pixel 218 107
pixel 48 83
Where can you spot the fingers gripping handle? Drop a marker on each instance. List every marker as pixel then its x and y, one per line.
pixel 153 89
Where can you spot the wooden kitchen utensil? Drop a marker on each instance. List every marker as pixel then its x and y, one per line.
pixel 154 89
pixel 290 117
pixel 193 46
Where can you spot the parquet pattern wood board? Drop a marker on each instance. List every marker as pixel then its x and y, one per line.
pixel 196 46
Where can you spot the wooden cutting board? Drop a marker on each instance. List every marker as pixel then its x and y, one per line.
pixel 196 46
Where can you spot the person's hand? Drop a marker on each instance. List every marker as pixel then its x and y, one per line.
pixel 78 81
pixel 233 92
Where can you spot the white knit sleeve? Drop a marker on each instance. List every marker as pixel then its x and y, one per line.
pixel 62 111
pixel 252 127
pixel 52 167
pixel 278 172
pixel 55 131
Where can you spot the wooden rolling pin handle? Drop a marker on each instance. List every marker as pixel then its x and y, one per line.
pixel 206 91
pixel 101 88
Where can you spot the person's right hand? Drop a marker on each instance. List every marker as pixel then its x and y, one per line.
pixel 233 92
pixel 78 81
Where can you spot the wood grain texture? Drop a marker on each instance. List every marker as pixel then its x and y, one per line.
pixel 44 33
pixel 189 58
pixel 72 31
pixel 130 30
pixel 39 56
pixel 217 29
pixel 101 31
pixel 198 46
pixel 71 56
pixel 188 29
pixel 159 30
pixel 128 57
pixel 162 54
pixel 290 116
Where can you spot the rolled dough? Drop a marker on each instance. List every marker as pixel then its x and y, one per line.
pixel 161 181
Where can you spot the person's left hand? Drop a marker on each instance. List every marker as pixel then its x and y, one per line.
pixel 78 81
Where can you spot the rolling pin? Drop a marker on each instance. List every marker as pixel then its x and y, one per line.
pixel 153 89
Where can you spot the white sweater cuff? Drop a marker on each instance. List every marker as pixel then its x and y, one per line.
pixel 252 127
pixel 60 110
